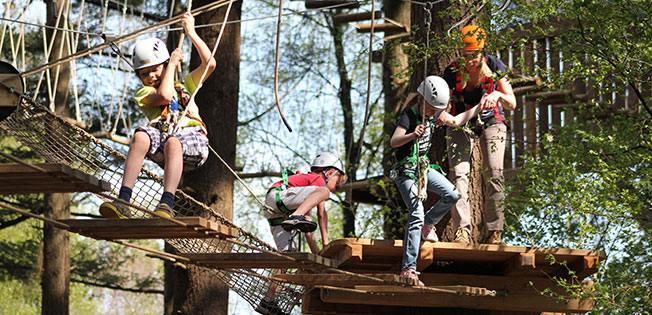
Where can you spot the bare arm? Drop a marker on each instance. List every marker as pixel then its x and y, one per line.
pixel 322 218
pixel 458 120
pixel 205 54
pixel 165 91
pixel 504 95
pixel 400 137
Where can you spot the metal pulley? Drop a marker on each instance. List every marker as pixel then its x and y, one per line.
pixel 12 88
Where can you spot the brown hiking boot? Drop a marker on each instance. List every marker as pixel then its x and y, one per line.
pixel 463 235
pixel 495 238
pixel 164 210
pixel 115 210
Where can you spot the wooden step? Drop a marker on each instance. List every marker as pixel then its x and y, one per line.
pixel 58 178
pixel 154 228
pixel 259 260
pixel 387 28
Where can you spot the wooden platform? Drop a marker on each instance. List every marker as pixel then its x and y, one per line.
pixel 153 228
pixel 259 260
pixel 386 255
pixel 517 274
pixel 59 178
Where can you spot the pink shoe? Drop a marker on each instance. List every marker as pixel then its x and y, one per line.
pixel 411 273
pixel 428 233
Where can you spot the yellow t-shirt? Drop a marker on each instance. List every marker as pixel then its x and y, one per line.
pixel 154 113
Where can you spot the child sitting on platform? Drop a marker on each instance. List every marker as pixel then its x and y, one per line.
pixel 174 141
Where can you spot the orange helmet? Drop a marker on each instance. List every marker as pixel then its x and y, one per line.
pixel 473 37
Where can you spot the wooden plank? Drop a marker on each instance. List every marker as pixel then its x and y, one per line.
pixel 460 289
pixel 387 28
pixel 18 178
pixel 336 279
pixel 350 253
pixel 523 294
pixel 259 260
pixel 318 4
pixel 154 228
pixel 355 17
pixel 530 127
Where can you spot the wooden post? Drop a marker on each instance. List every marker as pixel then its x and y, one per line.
pixel 542 66
pixel 517 122
pixel 363 16
pixel 555 71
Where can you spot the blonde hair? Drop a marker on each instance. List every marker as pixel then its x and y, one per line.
pixel 484 70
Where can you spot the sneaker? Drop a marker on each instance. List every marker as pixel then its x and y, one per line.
pixel 164 210
pixel 411 273
pixel 298 222
pixel 428 233
pixel 495 238
pixel 463 235
pixel 269 307
pixel 115 210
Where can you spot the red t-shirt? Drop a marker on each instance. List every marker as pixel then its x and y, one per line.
pixel 302 180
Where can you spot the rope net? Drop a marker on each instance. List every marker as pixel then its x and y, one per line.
pixel 58 141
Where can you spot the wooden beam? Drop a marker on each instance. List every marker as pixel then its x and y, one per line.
pixel 350 253
pixel 336 279
pixel 387 28
pixel 354 17
pixel 21 179
pixel 318 4
pixel 428 299
pixel 460 289
pixel 259 260
pixel 522 263
pixel 154 228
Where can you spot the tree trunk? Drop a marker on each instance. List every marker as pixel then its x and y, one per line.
pixel 351 146
pixel 395 63
pixel 55 282
pixel 436 66
pixel 212 183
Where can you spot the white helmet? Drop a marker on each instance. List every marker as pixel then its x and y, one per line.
pixel 326 160
pixel 437 92
pixel 149 52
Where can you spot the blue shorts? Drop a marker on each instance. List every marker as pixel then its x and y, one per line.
pixel 193 142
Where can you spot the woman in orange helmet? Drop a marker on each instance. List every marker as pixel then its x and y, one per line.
pixel 478 79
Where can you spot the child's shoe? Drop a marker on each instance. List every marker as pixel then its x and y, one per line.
pixel 298 222
pixel 411 273
pixel 269 307
pixel 164 210
pixel 428 233
pixel 115 210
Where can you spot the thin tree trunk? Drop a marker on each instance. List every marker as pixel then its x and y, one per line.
pixel 55 282
pixel 351 146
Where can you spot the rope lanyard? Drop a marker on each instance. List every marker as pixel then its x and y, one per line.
pixel 427 20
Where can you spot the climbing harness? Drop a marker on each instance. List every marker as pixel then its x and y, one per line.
pixel 279 203
pixel 488 85
pixel 416 166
